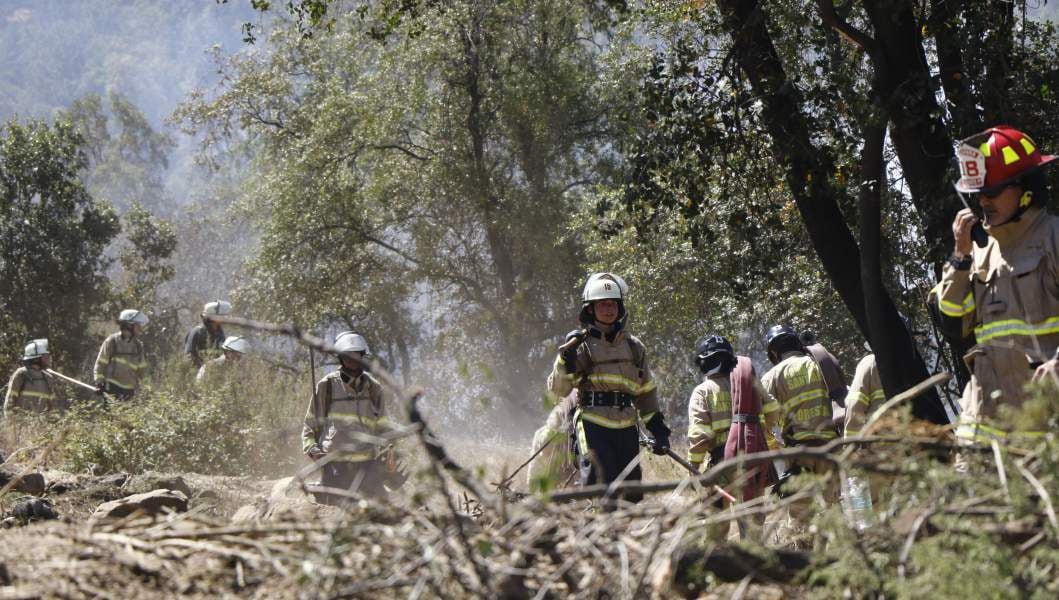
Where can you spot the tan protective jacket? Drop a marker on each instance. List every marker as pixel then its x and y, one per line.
pixel 617 365
pixel 798 385
pixel 865 395
pixel 1010 298
pixel 32 390
pixel 551 443
pixel 339 410
pixel 710 415
pixel 121 363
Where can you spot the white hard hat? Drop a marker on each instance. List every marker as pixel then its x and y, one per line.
pixel 36 349
pixel 133 316
pixel 235 344
pixel 604 286
pixel 217 308
pixel 349 341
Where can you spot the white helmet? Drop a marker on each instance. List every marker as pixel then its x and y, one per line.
pixel 36 349
pixel 603 286
pixel 133 317
pixel 600 286
pixel 349 341
pixel 235 344
pixel 218 308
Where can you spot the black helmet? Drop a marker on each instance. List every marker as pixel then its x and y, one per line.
pixel 714 354
pixel 780 339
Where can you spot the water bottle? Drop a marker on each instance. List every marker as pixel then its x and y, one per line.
pixel 856 501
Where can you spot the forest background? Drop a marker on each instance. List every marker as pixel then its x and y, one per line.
pixel 443 176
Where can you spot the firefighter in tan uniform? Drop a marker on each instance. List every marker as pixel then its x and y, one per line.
pixel 552 466
pixel 214 372
pixel 121 363
pixel 347 402
pixel 865 396
pixel 616 391
pixel 1002 281
pixel 32 389
pixel 710 406
pixel 797 383
pixel 204 341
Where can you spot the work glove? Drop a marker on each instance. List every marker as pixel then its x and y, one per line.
pixel 658 429
pixel 101 387
pixel 570 354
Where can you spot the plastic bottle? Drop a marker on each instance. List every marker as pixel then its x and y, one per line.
pixel 856 500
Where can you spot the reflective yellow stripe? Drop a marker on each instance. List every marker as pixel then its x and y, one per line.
pixel 608 423
pixel 610 380
pixel 985 149
pixel 989 331
pixel 860 398
pixel 121 384
pixel 806 396
pixel 771 407
pixel 33 394
pixel 1010 156
pixel 1027 145
pixel 582 439
pixel 952 309
pixel 722 425
pixel 814 435
pixel 696 457
pixel 852 432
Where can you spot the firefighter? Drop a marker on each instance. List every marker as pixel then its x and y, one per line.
pixel 608 367
pixel 347 402
pixel 710 406
pixel 212 372
pixel 32 388
pixel 552 466
pixel 797 383
pixel 206 339
pixel 121 363
pixel 1001 281
pixel 865 396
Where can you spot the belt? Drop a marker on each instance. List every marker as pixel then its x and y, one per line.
pixel 618 399
pixel 738 418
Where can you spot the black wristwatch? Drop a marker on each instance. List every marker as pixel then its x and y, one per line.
pixel 960 264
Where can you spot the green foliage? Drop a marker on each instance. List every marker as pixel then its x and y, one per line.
pixel 456 194
pixel 127 157
pixel 227 430
pixel 52 240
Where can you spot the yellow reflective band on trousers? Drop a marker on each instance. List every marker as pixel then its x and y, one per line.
pixel 1015 327
pixel 770 407
pixel 696 457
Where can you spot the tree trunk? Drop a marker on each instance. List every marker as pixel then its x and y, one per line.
pixel 806 168
pixel 923 145
pixel 900 365
pixel 806 171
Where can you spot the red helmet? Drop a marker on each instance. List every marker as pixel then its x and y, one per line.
pixel 996 157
